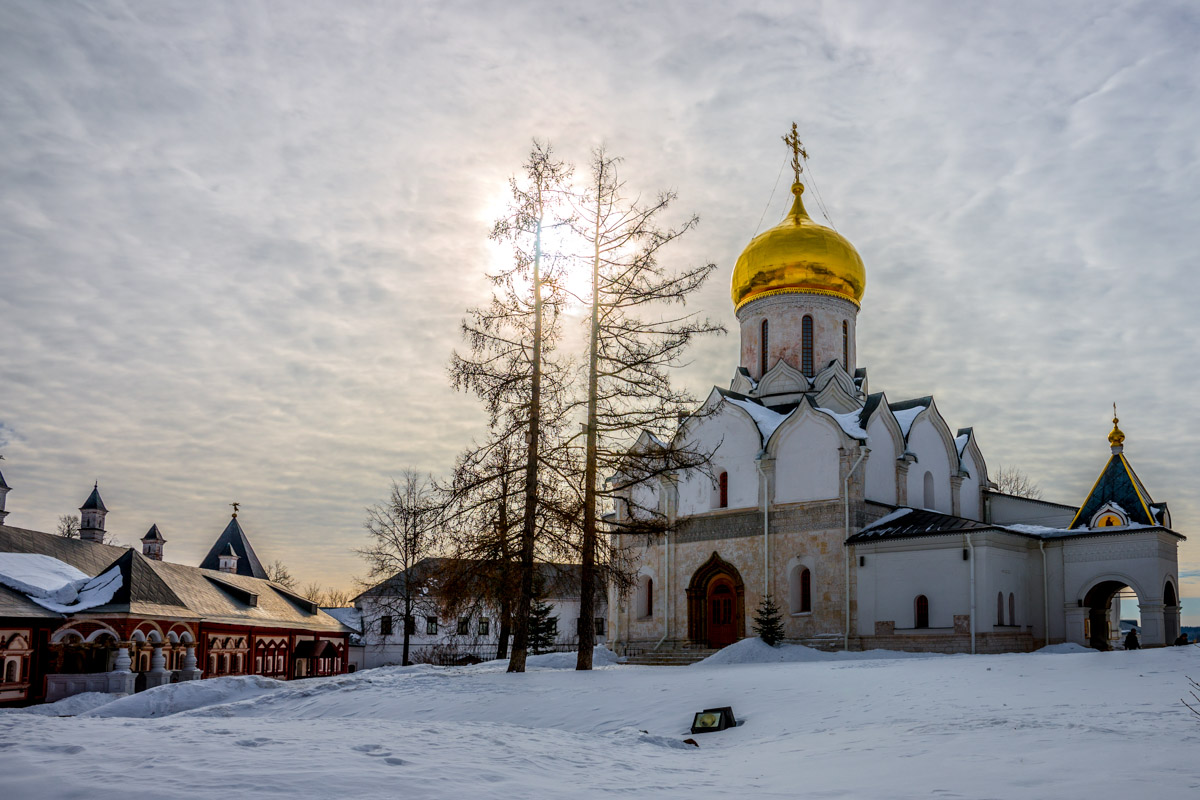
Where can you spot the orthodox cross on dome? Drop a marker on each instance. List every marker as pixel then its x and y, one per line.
pixel 235 509
pixel 792 140
pixel 1117 437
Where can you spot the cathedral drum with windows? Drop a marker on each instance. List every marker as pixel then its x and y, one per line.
pixel 870 521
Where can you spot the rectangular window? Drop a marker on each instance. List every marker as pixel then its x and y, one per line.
pixel 552 626
pixel 385 625
pixel 464 626
pixel 483 626
pixel 410 626
pixel 599 626
pixel 431 625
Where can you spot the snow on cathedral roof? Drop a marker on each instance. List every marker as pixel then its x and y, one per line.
pixel 768 420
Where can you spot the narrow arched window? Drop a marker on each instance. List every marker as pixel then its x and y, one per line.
pixel 1012 609
pixel 724 489
pixel 929 498
pixel 1000 608
pixel 762 350
pixel 805 591
pixel 10 671
pixel 649 597
pixel 921 611
pixel 845 345
pixel 806 344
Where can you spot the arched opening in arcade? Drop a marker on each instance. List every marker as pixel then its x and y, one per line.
pixel 1112 611
pixel 716 604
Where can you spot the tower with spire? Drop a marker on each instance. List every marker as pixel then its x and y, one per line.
pixel 91 516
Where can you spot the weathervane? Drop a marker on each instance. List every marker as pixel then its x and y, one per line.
pixel 792 140
pixel 235 509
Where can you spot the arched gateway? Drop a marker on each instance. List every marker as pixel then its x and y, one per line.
pixel 716 604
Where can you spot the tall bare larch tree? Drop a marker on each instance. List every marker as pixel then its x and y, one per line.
pixel 507 365
pixel 636 339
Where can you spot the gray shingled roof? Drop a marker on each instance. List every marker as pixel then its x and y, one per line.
pixel 248 563
pixel 153 535
pixel 162 589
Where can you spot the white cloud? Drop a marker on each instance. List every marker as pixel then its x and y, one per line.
pixel 237 239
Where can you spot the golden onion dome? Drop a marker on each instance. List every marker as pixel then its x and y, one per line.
pixel 798 256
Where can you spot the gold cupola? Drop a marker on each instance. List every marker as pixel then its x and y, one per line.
pixel 798 255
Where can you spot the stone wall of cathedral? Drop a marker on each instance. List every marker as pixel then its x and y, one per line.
pixel 784 314
pixel 802 536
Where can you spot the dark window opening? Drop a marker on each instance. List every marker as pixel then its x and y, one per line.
pixel 762 351
pixel 806 345
pixel 483 626
pixel 845 345
pixel 385 625
pixel 431 625
pixel 599 626
pixel 464 626
pixel 724 484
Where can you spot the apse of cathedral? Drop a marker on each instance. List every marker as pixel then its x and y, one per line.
pixel 870 521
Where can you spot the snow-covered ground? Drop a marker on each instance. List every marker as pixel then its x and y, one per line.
pixel 1059 724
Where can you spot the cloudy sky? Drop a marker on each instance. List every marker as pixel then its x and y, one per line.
pixel 236 240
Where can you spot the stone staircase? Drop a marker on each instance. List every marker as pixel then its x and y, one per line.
pixel 668 658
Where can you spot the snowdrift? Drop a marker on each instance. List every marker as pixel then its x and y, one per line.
pixel 162 701
pixel 756 651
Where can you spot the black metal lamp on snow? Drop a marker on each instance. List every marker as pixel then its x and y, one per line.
pixel 711 720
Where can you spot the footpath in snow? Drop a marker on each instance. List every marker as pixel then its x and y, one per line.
pixel 1064 722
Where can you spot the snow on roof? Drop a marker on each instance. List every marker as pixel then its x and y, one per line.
pixel 766 419
pixel 56 585
pixel 849 422
pixel 960 443
pixel 884 520
pixel 1056 533
pixel 905 417
pixel 96 592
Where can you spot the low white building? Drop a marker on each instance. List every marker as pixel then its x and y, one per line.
pixel 470 632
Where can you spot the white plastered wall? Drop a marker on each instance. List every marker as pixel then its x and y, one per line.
pixel 736 441
pixel 930 448
pixel 881 464
pixel 807 449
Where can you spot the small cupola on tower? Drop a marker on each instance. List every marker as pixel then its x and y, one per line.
pixel 227 560
pixel 152 544
pixel 91 516
pixel 1119 498
pixel 233 541
pixel 796 291
pixel 4 490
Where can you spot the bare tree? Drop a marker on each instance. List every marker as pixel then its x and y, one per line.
pixel 313 591
pixel 634 344
pixel 277 572
pixel 508 366
pixel 1014 481
pixel 68 526
pixel 337 598
pixel 404 531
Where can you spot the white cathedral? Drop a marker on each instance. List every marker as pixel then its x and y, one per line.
pixel 870 521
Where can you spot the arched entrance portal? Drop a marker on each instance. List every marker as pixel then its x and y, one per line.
pixel 1103 603
pixel 716 604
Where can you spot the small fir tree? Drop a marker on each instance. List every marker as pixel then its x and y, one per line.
pixel 543 628
pixel 768 622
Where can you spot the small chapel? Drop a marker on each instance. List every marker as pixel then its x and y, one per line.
pixel 869 520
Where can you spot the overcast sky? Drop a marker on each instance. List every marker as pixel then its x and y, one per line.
pixel 236 240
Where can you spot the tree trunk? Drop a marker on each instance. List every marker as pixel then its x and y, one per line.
pixel 505 629
pixel 407 616
pixel 528 520
pixel 587 566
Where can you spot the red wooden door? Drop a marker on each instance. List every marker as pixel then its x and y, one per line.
pixel 721 628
